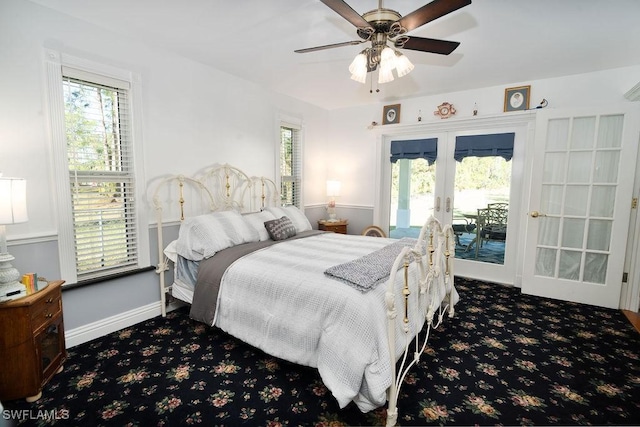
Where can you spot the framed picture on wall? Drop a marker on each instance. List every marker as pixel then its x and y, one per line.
pixel 391 114
pixel 516 98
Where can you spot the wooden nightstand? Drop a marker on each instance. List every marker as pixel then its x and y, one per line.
pixel 32 347
pixel 339 226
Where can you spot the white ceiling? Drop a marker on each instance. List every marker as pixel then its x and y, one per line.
pixel 502 41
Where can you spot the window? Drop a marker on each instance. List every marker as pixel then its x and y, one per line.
pixel 290 165
pixel 100 226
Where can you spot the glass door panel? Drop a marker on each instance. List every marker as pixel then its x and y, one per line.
pixel 480 182
pixel 412 196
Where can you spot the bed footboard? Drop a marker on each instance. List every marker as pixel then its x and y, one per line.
pixel 436 295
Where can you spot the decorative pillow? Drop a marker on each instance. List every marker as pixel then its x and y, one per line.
pixel 202 236
pixel 296 216
pixel 280 229
pixel 257 220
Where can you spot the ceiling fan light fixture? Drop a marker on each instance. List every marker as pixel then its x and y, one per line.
pixel 385 75
pixel 360 78
pixel 403 65
pixel 381 26
pixel 387 59
pixel 358 67
pixel 359 63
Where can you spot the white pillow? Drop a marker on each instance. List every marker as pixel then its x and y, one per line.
pixel 257 220
pixel 202 236
pixel 295 215
pixel 171 252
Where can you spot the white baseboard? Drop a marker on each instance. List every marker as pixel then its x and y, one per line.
pixel 111 324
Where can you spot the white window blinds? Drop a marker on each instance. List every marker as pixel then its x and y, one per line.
pixel 101 173
pixel 290 165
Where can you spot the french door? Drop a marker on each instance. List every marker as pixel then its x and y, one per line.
pixel 453 191
pixel 580 204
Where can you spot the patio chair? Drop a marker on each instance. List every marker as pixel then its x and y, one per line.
pixel 492 221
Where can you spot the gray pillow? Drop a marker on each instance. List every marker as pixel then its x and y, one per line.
pixel 280 229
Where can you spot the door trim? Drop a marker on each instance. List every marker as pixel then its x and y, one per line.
pixel 523 123
pixel 384 133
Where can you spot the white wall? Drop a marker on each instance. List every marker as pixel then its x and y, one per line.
pixel 354 144
pixel 193 115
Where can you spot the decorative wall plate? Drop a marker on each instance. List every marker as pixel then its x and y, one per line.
pixel 445 110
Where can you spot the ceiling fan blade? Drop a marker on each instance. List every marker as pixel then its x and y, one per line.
pixel 329 46
pixel 344 10
pixel 431 11
pixel 443 47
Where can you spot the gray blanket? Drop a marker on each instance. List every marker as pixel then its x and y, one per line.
pixel 367 271
pixel 211 270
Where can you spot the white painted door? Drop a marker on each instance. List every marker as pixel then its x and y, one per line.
pixel 445 201
pixel 581 191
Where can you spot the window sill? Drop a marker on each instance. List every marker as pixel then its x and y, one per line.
pixel 97 280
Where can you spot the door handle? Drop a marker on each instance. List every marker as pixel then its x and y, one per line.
pixel 448 204
pixel 438 204
pixel 535 214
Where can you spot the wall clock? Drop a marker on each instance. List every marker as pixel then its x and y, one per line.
pixel 445 110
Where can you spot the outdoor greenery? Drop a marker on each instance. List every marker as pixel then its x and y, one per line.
pixel 472 173
pixel 483 173
pixel 478 181
pixel 98 186
pixel 287 166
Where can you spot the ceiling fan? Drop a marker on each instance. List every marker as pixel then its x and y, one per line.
pixel 382 25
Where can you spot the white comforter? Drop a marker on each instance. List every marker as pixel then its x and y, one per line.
pixel 279 300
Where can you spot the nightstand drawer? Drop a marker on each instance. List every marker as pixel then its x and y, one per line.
pixel 46 309
pixel 339 226
pixel 336 228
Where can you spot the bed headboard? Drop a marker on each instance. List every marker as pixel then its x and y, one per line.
pixel 217 188
pixel 212 189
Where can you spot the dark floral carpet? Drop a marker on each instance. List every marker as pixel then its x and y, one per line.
pixel 505 359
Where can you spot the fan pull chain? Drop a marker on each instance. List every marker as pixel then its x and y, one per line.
pixel 371 85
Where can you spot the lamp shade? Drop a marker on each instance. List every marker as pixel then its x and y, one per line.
pixel 387 59
pixel 13 200
pixel 358 67
pixel 403 65
pixel 333 188
pixel 385 75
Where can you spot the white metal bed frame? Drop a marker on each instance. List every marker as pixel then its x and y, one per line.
pixel 225 187
pixel 218 188
pixel 435 266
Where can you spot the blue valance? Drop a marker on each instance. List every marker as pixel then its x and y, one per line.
pixel 499 144
pixel 415 149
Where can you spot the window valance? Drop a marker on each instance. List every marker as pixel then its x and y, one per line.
pixel 500 144
pixel 415 149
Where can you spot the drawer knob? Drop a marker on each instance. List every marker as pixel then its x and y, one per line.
pixel 49 300
pixel 48 315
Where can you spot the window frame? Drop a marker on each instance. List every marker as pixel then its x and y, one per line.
pixel 298 175
pixel 103 74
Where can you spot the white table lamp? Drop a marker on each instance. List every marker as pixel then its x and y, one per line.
pixel 13 210
pixel 333 191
